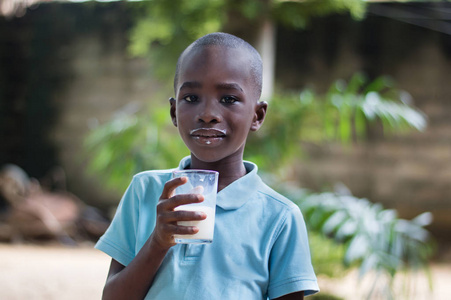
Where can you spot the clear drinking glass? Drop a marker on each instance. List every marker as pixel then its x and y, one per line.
pixel 203 182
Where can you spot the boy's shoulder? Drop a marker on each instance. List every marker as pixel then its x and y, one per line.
pixel 275 196
pixel 265 191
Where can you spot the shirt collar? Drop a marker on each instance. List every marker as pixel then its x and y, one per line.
pixel 238 192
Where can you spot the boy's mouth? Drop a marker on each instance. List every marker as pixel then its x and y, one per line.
pixel 208 136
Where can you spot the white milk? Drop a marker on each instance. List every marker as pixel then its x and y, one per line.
pixel 206 227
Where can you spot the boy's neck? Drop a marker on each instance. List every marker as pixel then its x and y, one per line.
pixel 229 169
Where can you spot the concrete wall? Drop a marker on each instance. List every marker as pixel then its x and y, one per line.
pixel 104 79
pixel 410 172
pixel 77 55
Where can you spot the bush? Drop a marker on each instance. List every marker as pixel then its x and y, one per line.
pixel 373 238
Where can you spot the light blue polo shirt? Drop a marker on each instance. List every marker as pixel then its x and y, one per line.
pixel 260 248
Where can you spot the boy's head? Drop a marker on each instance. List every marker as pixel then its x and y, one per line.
pixel 217 88
pixel 228 41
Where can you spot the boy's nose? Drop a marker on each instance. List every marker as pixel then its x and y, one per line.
pixel 209 113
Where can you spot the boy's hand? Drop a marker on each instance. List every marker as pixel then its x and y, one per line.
pixel 166 226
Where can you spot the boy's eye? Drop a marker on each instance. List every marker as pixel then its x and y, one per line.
pixel 190 98
pixel 228 99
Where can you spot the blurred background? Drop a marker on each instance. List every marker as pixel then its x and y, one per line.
pixel 358 132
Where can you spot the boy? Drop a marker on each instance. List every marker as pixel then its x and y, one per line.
pixel 260 249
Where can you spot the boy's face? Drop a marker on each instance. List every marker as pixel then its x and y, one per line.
pixel 216 103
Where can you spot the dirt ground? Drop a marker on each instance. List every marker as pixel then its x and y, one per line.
pixel 51 272
pixel 56 272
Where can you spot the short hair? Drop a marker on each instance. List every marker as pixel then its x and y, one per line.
pixel 228 41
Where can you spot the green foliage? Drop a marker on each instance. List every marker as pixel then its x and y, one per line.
pixel 297 14
pixel 132 142
pixel 343 114
pixel 327 255
pixel 375 239
pixel 349 106
pixel 163 29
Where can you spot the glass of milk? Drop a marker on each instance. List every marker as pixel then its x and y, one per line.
pixel 203 182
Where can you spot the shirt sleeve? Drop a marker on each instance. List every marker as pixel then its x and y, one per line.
pixel 291 269
pixel 119 240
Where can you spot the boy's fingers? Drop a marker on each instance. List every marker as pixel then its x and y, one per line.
pixel 176 229
pixel 178 200
pixel 171 185
pixel 181 215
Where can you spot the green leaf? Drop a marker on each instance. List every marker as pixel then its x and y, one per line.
pixel 357 249
pixel 368 263
pixel 423 219
pixel 333 222
pixel 375 239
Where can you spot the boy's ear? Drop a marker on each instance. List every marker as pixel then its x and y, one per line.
pixel 172 111
pixel 259 116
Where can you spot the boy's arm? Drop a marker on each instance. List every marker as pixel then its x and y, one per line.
pixel 292 296
pixel 134 280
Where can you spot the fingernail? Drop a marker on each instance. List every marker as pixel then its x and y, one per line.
pixel 202 215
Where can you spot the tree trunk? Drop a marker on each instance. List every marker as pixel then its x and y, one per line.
pixel 266 45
